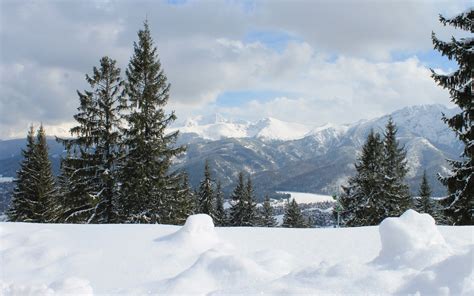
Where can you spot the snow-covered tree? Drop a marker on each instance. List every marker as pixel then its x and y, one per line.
pixel 148 189
pixel 266 215
pixel 250 217
pixel 23 199
pixel 425 204
pixel 206 193
pixel 396 194
pixel 460 183
pixel 220 214
pixel 35 194
pixel 89 171
pixel 293 218
pixel 362 200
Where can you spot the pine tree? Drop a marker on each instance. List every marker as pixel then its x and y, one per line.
pixel 362 200
pixel 206 193
pixel 396 195
pixel 250 217
pixel 46 190
pixel 220 214
pixel 89 169
pixel 267 218
pixel 35 194
pixel 23 199
pixel 293 217
pixel 238 209
pixel 460 202
pixel 148 190
pixel 425 204
pixel 185 203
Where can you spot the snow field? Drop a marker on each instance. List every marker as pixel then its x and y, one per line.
pixel 406 255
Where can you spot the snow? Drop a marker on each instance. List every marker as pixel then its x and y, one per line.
pixel 6 179
pixel 199 259
pixel 307 198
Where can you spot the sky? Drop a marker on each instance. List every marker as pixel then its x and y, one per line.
pixel 307 61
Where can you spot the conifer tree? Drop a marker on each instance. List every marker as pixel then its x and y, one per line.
pixel 460 202
pixel 220 214
pixel 362 200
pixel 396 195
pixel 238 209
pixel 35 194
pixel 267 219
pixel 23 199
pixel 425 204
pixel 185 203
pixel 293 217
pixel 46 190
pixel 250 217
pixel 206 193
pixel 89 171
pixel 147 190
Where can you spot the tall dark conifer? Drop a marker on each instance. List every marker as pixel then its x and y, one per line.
pixel 425 204
pixel 362 200
pixel 206 193
pixel 148 190
pixel 460 201
pixel 23 199
pixel 238 199
pixel 89 171
pixel 220 214
pixel 396 194
pixel 184 202
pixel 250 217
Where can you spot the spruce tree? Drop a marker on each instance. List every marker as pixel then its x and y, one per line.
pixel 425 204
pixel 220 214
pixel 250 216
pixel 35 195
pixel 46 190
pixel 23 198
pixel 184 202
pixel 460 183
pixel 293 217
pixel 238 198
pixel 362 200
pixel 206 193
pixel 89 171
pixel 266 217
pixel 148 190
pixel 396 195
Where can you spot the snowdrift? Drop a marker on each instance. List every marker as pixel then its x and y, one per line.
pixel 405 255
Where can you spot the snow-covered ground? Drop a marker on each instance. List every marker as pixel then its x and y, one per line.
pixel 306 198
pixel 402 256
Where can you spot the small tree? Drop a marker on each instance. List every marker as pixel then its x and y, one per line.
pixel 184 202
pixel 238 209
pixel 293 217
pixel 266 216
pixel 425 204
pixel 460 202
pixel 221 217
pixel 250 217
pixel 206 193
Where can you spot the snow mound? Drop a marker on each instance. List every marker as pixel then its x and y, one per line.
pixel 215 270
pixel 198 233
pixel 412 240
pixel 452 276
pixel 67 286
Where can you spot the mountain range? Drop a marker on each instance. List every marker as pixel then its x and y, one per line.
pixel 286 156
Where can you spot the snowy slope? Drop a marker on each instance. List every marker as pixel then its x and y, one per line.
pixel 403 256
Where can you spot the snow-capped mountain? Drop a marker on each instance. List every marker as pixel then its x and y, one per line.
pixel 318 159
pixel 216 127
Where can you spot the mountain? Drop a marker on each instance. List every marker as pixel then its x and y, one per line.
pixel 283 156
pixel 318 159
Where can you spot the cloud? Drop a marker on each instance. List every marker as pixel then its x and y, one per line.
pixel 326 55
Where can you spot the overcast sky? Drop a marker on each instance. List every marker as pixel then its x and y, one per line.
pixel 302 61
